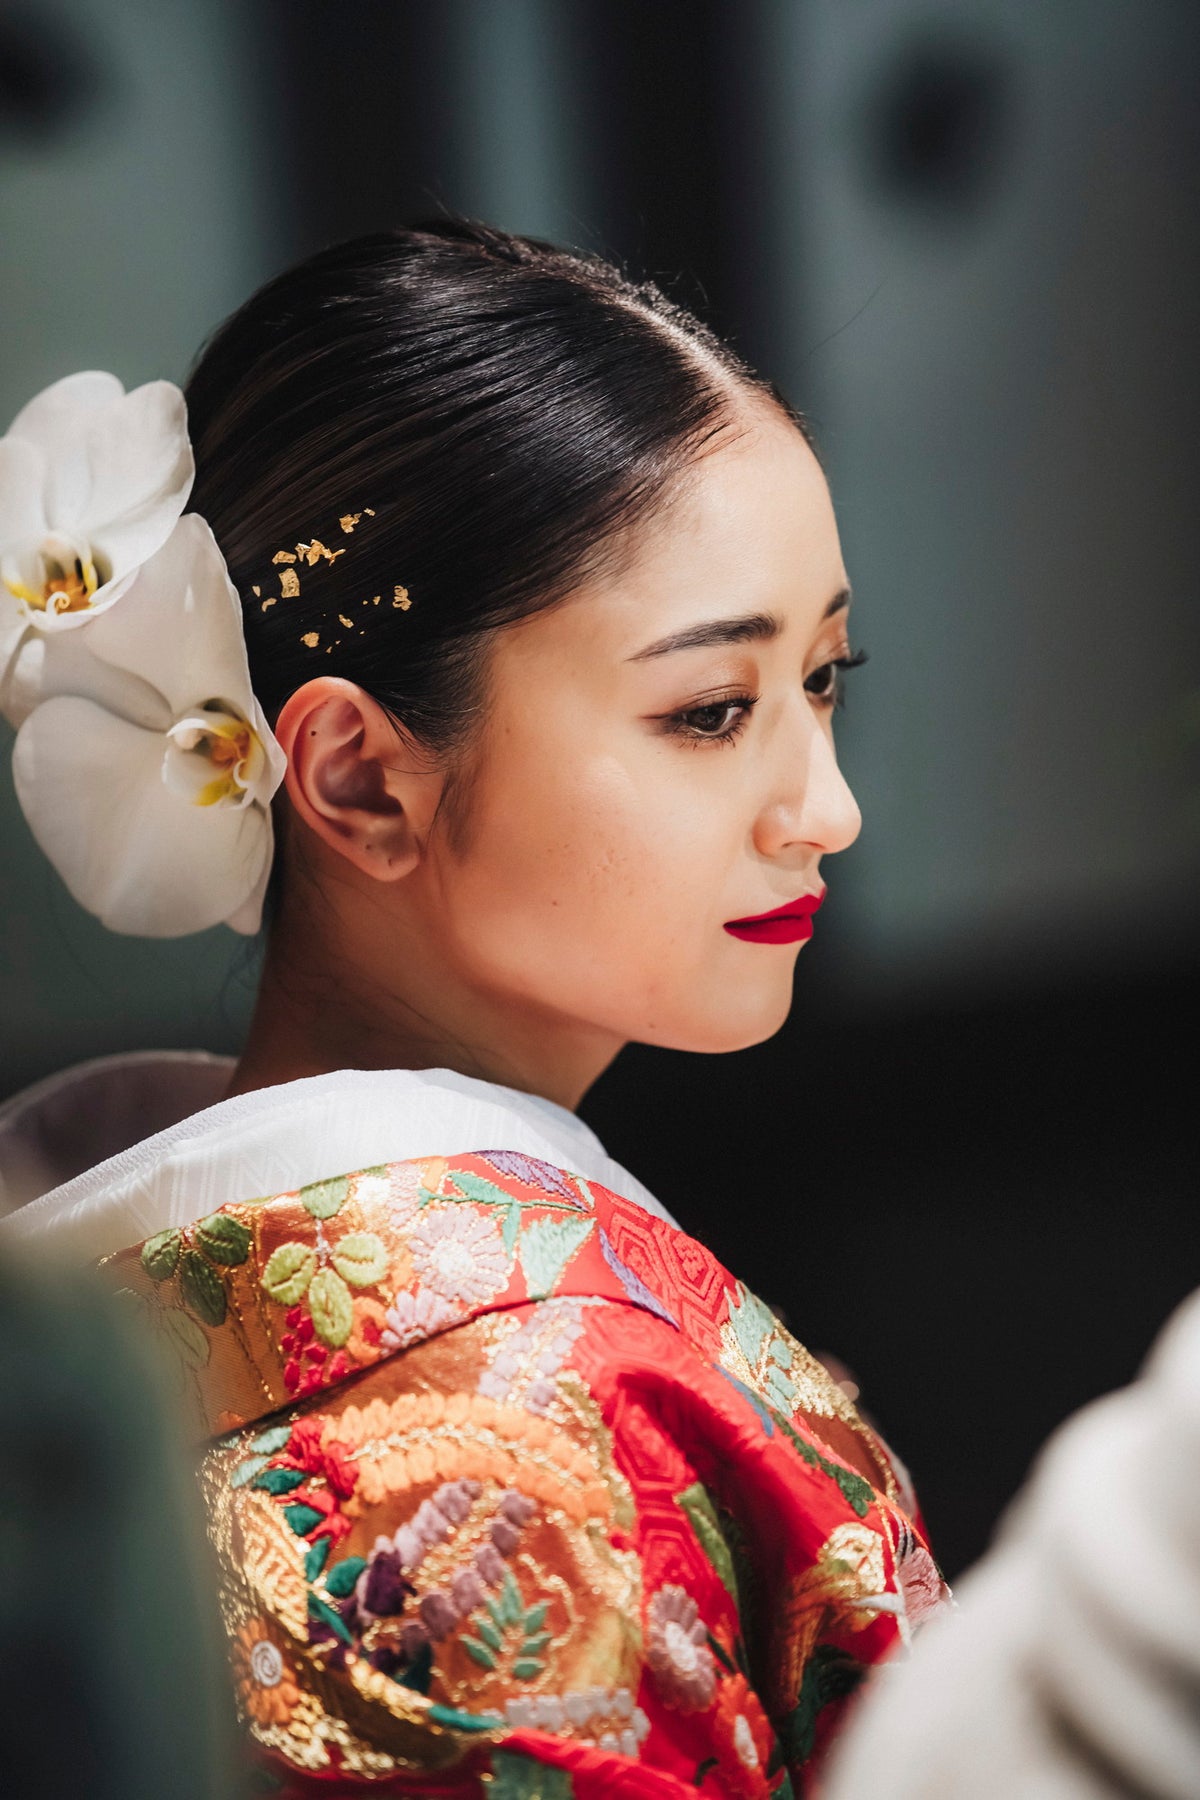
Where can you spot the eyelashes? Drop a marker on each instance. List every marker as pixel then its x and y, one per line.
pixel 831 687
pixel 723 721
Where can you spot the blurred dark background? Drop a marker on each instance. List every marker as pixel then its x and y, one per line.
pixel 966 239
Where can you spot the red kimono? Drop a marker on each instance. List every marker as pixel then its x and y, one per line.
pixel 516 1491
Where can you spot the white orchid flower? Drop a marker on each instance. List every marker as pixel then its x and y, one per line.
pixel 147 774
pixel 92 481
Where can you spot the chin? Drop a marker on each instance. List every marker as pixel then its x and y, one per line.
pixel 722 1030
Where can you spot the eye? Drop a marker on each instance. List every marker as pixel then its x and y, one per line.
pixel 825 683
pixel 719 721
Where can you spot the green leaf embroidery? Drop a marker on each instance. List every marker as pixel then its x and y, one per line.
pixel 512 1224
pixel 327 1615
pixel 223 1239
pixel 316 1557
pixel 474 1187
pixel 535 1618
pixel 279 1481
pixel 510 1608
pixel 332 1307
pixel 547 1246
pixel 702 1516
pixel 160 1254
pixel 187 1338
pixel 521 1778
pixel 202 1288
pixel 271 1440
pixel 289 1270
pixel 503 1624
pixel 324 1198
pixel 361 1259
pixel 341 1578
pixel 458 1720
pixel 302 1518
pixel 246 1471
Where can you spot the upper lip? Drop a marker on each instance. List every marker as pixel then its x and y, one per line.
pixel 806 903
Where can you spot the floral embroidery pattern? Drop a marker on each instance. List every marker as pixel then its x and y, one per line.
pixel 533 1528
pixel 523 1367
pixel 314 1282
pixel 198 1254
pixel 743 1740
pixel 412 1317
pixel 265 1686
pixel 459 1255
pixel 677 1650
pixel 609 1716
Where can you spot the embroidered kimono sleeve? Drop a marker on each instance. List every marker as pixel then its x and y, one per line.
pixel 454 1565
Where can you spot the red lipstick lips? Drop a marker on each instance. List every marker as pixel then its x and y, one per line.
pixel 788 924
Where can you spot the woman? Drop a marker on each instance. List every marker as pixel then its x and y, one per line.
pixel 510 1482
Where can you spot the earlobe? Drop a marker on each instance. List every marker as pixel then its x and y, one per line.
pixel 343 780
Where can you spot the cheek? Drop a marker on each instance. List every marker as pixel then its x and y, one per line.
pixel 595 859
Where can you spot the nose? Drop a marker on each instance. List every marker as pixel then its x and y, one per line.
pixel 813 807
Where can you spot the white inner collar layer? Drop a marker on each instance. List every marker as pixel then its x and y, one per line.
pixel 266 1142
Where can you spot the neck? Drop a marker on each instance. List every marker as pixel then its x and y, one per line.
pixel 329 1000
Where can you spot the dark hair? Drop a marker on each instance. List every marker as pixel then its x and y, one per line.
pixel 498 412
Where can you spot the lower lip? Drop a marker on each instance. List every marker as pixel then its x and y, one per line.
pixel 794 929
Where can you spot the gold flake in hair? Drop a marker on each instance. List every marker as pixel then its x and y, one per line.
pixel 311 638
pixel 283 556
pixel 289 584
pixel 312 553
pixel 269 602
pixel 376 600
pixel 348 623
pixel 256 590
pixel 400 598
pixel 348 521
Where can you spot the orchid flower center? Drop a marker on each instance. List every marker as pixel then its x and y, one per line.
pixel 65 577
pixel 214 757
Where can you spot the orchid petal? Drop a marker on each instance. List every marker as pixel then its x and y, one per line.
pixel 52 662
pixel 139 470
pixel 51 420
pixel 179 627
pixel 22 485
pixel 140 857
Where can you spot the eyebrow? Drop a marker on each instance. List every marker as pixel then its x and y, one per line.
pixel 748 628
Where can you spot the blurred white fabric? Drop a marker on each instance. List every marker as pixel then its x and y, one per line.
pixel 106 1153
pixel 1071 1670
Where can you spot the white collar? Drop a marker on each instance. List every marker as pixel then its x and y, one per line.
pixel 266 1142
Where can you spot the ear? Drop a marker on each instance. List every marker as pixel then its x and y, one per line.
pixel 362 786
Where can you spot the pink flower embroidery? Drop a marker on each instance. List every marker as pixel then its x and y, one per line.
pixel 411 1318
pixel 397 1189
pixel 459 1254
pixel 677 1650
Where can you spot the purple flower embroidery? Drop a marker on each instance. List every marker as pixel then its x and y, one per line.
pixel 532 1170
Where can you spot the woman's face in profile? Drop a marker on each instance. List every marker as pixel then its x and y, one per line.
pixel 658 763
